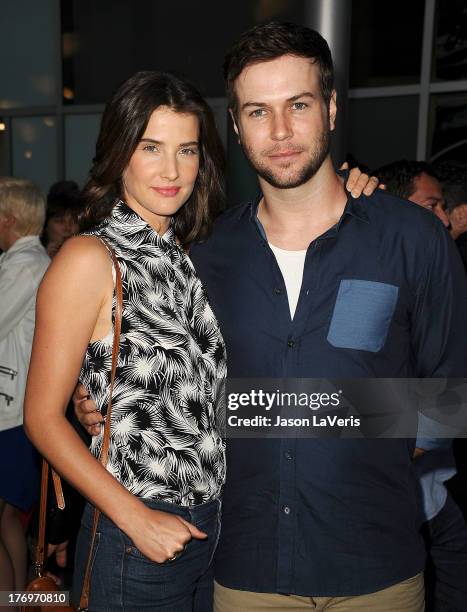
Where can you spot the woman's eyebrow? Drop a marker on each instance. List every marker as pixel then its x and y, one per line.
pixel 182 144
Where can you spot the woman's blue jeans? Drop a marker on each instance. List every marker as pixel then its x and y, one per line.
pixel 123 579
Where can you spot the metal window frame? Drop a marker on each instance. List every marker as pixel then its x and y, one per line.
pixel 59 111
pixel 424 89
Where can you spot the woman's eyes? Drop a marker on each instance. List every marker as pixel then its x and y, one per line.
pixel 187 151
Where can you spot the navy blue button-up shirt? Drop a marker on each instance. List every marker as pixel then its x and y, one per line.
pixel 383 295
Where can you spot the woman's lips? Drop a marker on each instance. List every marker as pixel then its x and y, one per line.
pixel 166 192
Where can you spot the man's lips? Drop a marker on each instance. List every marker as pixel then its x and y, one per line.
pixel 167 192
pixel 284 154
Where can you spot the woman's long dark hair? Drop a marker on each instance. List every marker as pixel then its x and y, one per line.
pixel 123 124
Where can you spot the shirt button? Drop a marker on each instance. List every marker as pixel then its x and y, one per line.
pixel 278 291
pixel 286 510
pixel 290 343
pixel 288 455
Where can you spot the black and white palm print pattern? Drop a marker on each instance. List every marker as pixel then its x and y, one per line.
pixel 165 436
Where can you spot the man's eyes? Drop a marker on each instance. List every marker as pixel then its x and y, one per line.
pixel 259 112
pixel 299 105
pixel 296 106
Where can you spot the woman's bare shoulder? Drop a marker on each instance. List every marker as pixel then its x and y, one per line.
pixel 83 251
pixel 81 259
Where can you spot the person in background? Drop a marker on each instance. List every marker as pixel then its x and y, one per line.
pixel 453 179
pixel 61 222
pixel 445 529
pixel 22 265
pixel 418 182
pixel 63 206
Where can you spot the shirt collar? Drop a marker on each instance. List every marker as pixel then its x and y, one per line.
pixel 125 215
pixel 355 207
pixel 25 241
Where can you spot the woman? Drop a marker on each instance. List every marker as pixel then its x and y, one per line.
pixel 63 207
pixel 22 265
pixel 155 187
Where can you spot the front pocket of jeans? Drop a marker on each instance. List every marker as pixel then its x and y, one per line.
pixel 134 553
pixel 362 315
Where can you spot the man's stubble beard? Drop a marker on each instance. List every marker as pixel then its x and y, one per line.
pixel 318 155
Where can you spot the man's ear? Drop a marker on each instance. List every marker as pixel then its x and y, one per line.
pixel 234 123
pixel 332 110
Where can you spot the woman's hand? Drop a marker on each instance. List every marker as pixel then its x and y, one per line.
pixel 358 182
pixel 159 535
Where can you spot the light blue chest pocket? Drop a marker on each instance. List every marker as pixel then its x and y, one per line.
pixel 362 315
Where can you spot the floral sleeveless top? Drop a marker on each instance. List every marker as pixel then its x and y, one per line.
pixel 166 441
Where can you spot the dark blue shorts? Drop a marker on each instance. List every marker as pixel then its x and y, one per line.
pixel 123 579
pixel 20 476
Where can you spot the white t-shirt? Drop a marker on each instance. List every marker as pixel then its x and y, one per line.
pixel 291 264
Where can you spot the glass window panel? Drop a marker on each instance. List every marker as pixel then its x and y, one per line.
pixel 190 38
pixel 382 130
pixel 80 145
pixel 448 127
pixel 27 52
pixel 386 43
pixel 34 146
pixel 4 148
pixel 450 41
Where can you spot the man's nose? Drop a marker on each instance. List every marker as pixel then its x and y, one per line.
pixel 281 127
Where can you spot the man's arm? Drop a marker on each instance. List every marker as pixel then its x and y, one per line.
pixel 439 333
pixel 439 321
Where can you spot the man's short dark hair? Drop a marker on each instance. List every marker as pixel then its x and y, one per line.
pixel 399 177
pixel 453 179
pixel 272 40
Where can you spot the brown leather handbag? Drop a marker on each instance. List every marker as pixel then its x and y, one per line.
pixel 42 582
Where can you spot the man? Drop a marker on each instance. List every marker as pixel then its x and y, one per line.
pixel 314 518
pixel 445 529
pixel 309 524
pixel 453 179
pixel 418 182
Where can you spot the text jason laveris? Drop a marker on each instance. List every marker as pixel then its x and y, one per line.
pixel 315 421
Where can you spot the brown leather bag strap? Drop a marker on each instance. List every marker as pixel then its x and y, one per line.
pixel 104 454
pixel 40 547
pixel 57 482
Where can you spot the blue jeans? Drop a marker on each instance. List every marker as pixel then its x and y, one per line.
pixel 446 539
pixel 123 579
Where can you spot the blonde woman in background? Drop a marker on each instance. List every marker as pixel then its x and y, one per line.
pixel 22 265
